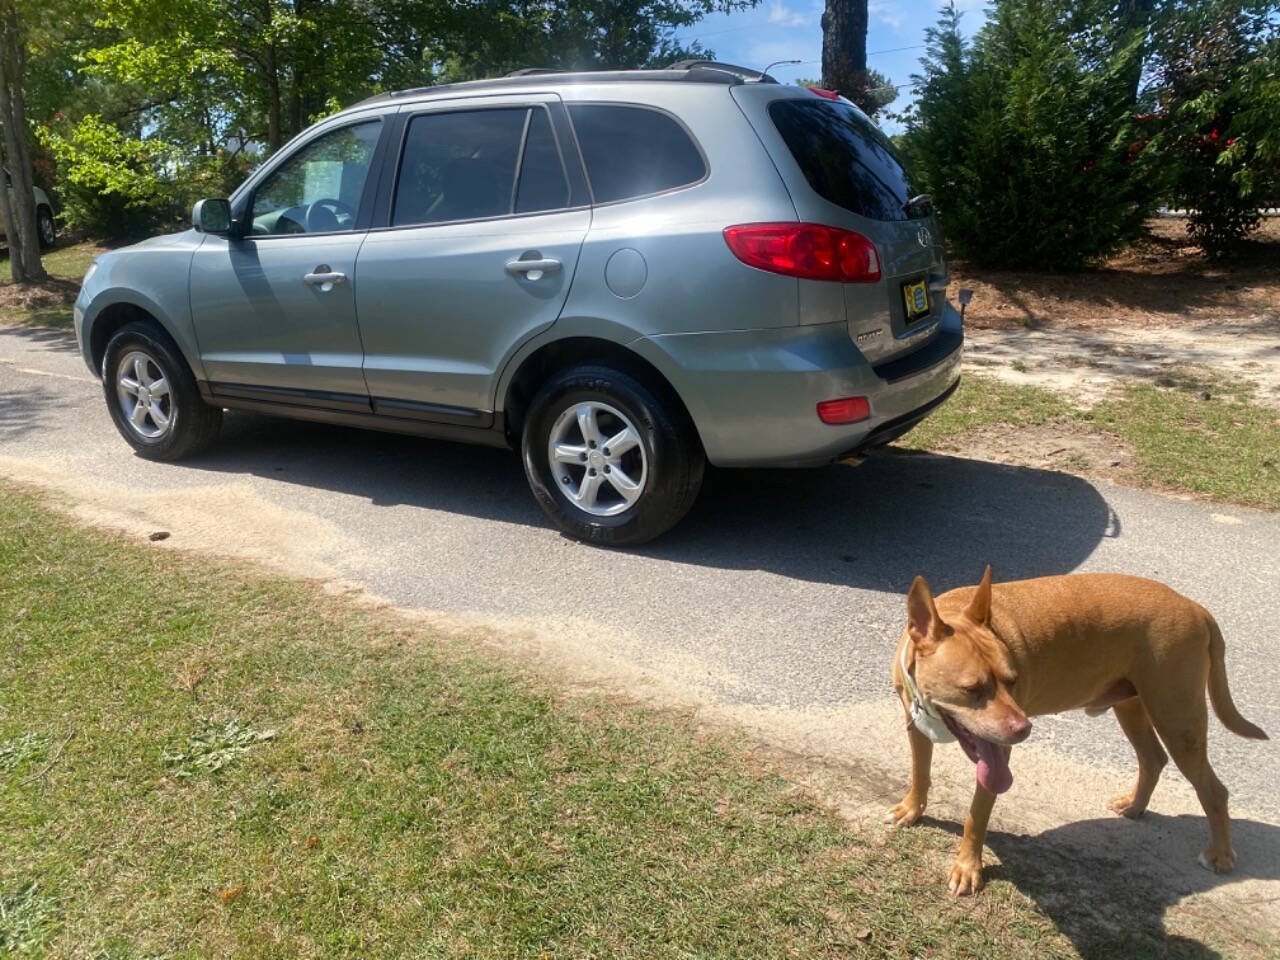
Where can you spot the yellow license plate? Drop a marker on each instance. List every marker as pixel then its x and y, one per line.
pixel 916 299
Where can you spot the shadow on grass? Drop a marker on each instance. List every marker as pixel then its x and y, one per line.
pixel 1107 883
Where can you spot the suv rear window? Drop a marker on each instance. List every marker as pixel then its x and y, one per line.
pixel 634 151
pixel 843 156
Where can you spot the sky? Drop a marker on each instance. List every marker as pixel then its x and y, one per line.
pixel 792 30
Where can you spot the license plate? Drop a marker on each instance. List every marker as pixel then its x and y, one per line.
pixel 915 296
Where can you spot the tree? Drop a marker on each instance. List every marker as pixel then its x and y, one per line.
pixel 17 209
pixel 844 50
pixel 574 35
pixel 205 71
pixel 879 94
pixel 171 99
pixel 1215 101
pixel 1026 138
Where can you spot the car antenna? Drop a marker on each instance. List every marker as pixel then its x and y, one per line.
pixel 778 63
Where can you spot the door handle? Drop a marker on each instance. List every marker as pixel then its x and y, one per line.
pixel 532 269
pixel 324 278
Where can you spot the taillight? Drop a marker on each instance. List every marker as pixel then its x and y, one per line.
pixel 844 410
pixel 808 250
pixel 824 93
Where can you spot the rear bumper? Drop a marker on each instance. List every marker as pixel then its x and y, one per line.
pixel 753 395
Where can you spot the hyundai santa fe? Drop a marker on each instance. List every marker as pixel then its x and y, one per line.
pixel 625 276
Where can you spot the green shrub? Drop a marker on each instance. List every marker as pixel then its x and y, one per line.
pixel 1216 88
pixel 1026 139
pixel 114 185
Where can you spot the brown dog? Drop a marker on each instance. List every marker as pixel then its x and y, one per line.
pixel 975 664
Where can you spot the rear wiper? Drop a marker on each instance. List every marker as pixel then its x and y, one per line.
pixel 917 201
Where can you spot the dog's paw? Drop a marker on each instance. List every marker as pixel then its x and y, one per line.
pixel 965 877
pixel 1122 803
pixel 1217 862
pixel 905 813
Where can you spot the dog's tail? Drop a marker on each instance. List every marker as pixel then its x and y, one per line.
pixel 1219 695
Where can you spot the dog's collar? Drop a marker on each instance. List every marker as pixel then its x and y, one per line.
pixel 924 715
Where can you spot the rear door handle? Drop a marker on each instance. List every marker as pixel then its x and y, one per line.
pixel 324 278
pixel 532 269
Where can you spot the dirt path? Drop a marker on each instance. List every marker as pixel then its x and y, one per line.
pixel 1083 364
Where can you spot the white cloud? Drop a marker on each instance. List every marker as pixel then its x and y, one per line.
pixel 887 13
pixel 783 16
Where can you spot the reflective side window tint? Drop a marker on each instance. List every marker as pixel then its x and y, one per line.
pixel 458 166
pixel 542 182
pixel 634 151
pixel 317 190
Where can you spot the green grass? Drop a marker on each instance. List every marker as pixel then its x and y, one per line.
pixel 1225 447
pixel 65 262
pixel 983 402
pixel 202 761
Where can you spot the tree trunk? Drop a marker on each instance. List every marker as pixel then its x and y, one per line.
pixel 844 49
pixel 1136 15
pixel 19 209
pixel 273 102
pixel 295 105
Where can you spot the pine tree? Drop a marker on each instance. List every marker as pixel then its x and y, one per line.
pixel 1026 137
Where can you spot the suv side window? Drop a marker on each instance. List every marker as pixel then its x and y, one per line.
pixel 468 165
pixel 634 151
pixel 542 183
pixel 317 190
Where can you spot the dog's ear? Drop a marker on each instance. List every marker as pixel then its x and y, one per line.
pixel 979 609
pixel 921 615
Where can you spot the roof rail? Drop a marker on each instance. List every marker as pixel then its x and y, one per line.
pixel 699 71
pixel 532 72
pixel 745 73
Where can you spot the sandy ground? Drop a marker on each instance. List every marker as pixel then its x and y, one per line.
pixel 1157 308
pixel 1084 363
pixel 1162 280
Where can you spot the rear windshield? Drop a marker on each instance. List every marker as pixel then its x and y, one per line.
pixel 843 156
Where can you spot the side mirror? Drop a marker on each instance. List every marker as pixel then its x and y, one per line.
pixel 213 216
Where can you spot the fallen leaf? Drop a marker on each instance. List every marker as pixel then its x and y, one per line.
pixel 159 535
pixel 230 893
pixel 311 841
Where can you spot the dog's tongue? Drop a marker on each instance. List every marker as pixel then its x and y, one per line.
pixel 993 767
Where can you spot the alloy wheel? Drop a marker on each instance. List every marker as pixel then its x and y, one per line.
pixel 597 458
pixel 145 397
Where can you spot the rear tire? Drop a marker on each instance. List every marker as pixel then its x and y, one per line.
pixel 621 496
pixel 152 396
pixel 46 233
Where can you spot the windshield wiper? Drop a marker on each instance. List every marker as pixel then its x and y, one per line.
pixel 916 201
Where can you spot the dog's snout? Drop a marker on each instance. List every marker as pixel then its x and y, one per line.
pixel 1019 729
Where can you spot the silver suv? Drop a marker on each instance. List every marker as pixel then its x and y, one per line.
pixel 624 275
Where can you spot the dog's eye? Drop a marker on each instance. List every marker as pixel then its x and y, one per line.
pixel 975 689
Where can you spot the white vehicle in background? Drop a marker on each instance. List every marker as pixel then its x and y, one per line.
pixel 44 215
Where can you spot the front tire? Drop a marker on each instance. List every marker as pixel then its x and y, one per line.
pixel 609 460
pixel 152 396
pixel 46 233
